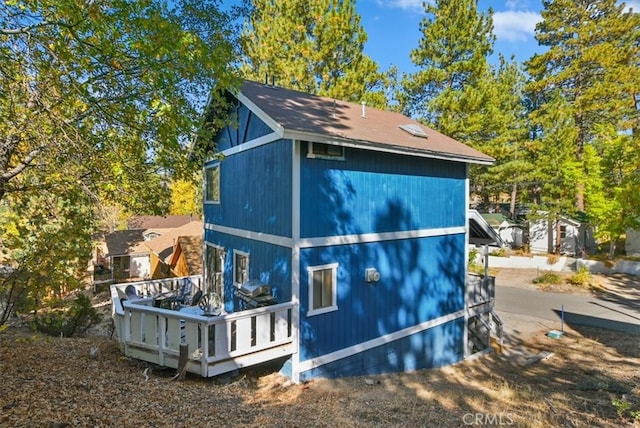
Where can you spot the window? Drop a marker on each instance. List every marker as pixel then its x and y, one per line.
pixel 322 289
pixel 212 184
pixel 563 232
pixel 325 151
pixel 240 267
pixel 214 266
pixel 120 266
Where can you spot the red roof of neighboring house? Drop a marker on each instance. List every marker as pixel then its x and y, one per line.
pixel 299 115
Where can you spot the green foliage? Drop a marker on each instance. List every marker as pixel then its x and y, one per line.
pixel 451 57
pixel 78 318
pixel 312 46
pixel 582 278
pixel 500 252
pixel 186 197
pixel 46 238
pixel 107 93
pixel 548 278
pixel 457 92
pixel 585 80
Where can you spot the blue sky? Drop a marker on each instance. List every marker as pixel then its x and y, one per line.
pixel 393 31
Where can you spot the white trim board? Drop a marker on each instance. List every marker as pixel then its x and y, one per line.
pixel 379 237
pixel 378 341
pixel 282 241
pixel 328 241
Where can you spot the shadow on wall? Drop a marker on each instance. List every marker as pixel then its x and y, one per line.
pixel 421 279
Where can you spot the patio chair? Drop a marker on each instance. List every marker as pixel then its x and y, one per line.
pixel 196 298
pixel 184 292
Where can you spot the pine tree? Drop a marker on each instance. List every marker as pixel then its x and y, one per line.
pixel 457 92
pixel 451 57
pixel 312 46
pixel 592 64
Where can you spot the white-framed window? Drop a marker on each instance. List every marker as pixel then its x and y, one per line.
pixel 212 184
pixel 323 282
pixel 240 267
pixel 325 151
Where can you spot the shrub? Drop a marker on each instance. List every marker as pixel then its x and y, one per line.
pixel 548 278
pixel 500 252
pixel 77 319
pixel 581 278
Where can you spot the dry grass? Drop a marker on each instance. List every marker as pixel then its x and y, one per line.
pixel 54 382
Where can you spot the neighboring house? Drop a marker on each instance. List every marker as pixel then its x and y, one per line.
pixel 481 232
pixel 512 234
pixel 632 243
pixel 148 222
pixel 186 259
pixel 144 253
pixel 356 215
pixel 576 237
pixel 126 255
pixel 163 247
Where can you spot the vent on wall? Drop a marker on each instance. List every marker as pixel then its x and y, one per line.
pixel 415 130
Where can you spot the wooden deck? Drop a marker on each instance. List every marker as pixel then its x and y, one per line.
pixel 216 344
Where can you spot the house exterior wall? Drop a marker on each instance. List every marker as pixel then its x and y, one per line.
pixel 632 243
pixel 372 192
pixel 403 215
pixel 181 267
pixel 268 262
pixel 542 236
pixel 155 268
pixel 140 266
pixel 422 282
pixel 255 190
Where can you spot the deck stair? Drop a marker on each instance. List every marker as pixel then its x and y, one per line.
pixel 483 323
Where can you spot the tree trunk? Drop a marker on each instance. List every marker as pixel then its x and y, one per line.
pixel 512 206
pixel 612 249
pixel 558 237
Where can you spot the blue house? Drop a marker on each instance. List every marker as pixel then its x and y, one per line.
pixel 355 215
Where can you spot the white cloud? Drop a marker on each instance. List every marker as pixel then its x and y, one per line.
pixel 515 26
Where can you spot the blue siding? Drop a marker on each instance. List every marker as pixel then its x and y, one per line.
pixel 421 279
pixel 255 190
pixel 374 192
pixel 247 127
pixel 267 262
pixel 439 346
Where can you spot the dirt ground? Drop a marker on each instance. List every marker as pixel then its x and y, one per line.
pixel 587 378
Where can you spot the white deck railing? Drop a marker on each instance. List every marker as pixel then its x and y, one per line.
pixel 216 344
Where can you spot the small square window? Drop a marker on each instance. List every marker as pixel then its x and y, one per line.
pixel 212 184
pixel 240 267
pixel 322 289
pixel 325 151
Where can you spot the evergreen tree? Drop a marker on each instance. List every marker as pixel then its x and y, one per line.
pixel 452 58
pixel 458 93
pixel 313 46
pixel 592 64
pixel 494 122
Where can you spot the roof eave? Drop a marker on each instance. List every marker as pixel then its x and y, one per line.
pixel 387 148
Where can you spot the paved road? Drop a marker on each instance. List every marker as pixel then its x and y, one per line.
pixel 526 311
